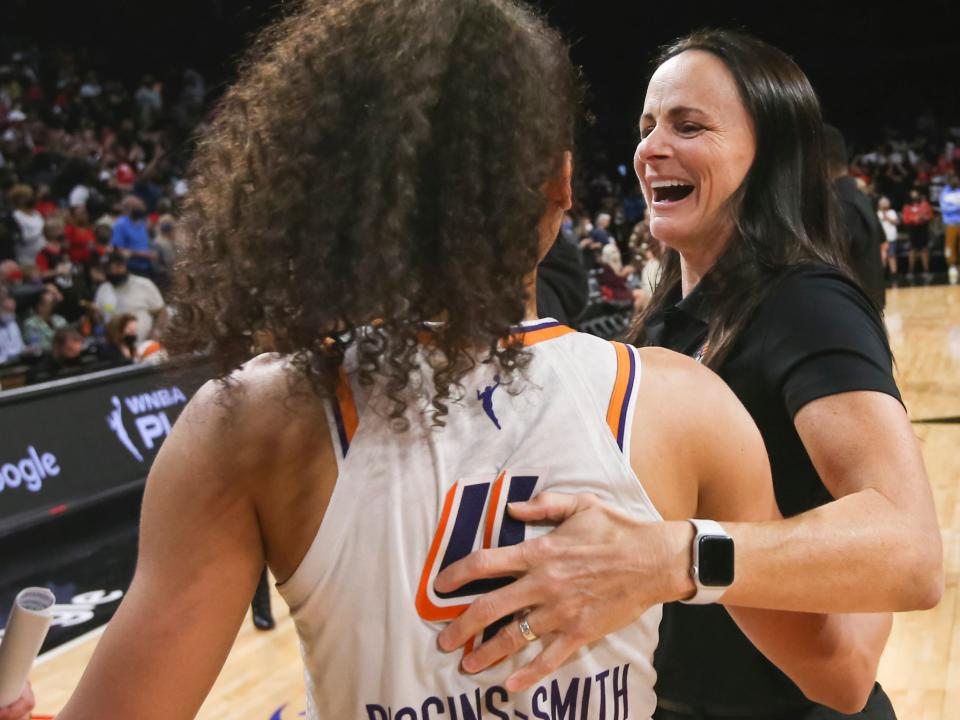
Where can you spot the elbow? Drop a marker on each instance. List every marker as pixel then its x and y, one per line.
pixel 846 692
pixel 845 674
pixel 925 579
pixel 846 701
pixel 930 592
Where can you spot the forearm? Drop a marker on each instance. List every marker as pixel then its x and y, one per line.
pixel 860 553
pixel 833 659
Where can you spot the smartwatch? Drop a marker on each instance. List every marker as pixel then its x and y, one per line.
pixel 712 562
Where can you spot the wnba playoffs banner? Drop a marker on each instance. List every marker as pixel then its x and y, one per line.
pixel 70 443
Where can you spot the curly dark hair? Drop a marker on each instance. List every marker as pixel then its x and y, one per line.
pixel 378 164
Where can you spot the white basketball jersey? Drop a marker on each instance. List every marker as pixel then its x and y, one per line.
pixel 408 504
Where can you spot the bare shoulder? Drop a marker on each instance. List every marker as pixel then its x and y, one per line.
pixel 695 428
pixel 687 384
pixel 246 421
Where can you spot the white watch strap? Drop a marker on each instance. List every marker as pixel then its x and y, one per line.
pixel 705 595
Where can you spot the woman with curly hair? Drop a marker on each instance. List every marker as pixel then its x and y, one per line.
pixel 373 199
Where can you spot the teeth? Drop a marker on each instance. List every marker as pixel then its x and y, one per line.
pixel 668 183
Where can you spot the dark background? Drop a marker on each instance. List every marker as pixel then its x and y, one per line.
pixel 876 66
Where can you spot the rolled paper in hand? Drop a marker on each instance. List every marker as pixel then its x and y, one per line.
pixel 26 629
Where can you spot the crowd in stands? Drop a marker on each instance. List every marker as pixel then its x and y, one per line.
pixel 915 189
pixel 91 171
pixel 90 175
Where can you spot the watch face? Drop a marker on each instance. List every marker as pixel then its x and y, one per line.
pixel 715 561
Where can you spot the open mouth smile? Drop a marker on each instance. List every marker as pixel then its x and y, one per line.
pixel 666 192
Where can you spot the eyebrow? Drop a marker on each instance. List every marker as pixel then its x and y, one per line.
pixel 674 112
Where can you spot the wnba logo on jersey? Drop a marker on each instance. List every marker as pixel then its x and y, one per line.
pixel 474 516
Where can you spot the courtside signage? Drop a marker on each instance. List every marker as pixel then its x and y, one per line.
pixel 29 472
pixel 72 444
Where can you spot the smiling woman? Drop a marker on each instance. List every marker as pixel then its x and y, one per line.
pixel 712 122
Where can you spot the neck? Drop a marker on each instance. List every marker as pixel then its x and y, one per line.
pixel 693 266
pixel 530 310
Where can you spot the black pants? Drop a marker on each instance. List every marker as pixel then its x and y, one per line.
pixel 878 708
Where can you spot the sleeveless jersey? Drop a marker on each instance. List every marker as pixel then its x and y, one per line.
pixel 407 504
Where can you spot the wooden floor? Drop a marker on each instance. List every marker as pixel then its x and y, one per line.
pixel 920 668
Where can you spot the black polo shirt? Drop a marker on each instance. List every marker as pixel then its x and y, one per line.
pixel 815 334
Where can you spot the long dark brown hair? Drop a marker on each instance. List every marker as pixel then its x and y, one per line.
pixel 378 164
pixel 784 210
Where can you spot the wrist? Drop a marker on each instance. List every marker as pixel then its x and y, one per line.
pixel 680 536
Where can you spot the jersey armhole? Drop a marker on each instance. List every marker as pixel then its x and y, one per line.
pixel 623 397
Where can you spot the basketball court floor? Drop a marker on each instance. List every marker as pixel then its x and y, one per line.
pixel 262 677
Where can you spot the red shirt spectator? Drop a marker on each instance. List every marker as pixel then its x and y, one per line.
pixel 49 258
pixel 917 213
pixel 81 240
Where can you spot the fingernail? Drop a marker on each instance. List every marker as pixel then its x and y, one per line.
pixel 468 664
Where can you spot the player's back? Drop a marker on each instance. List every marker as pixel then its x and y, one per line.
pixel 408 504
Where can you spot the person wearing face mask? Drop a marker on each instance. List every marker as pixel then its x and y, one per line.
pixel 121 346
pixel 125 292
pixel 130 236
pixel 754 285
pixel 917 215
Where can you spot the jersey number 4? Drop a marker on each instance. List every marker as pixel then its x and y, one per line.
pixel 474 516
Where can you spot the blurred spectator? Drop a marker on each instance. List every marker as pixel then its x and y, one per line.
pixel 561 283
pixel 600 234
pixel 950 210
pixel 45 205
pixel 651 252
pixel 613 277
pixel 81 241
pixel 52 261
pixel 11 340
pixel 30 223
pixel 166 251
pixel 121 341
pixel 862 232
pixel 43 322
pixel 130 235
pixel 889 221
pixel 92 87
pixel 917 215
pixel 149 99
pixel 568 232
pixel 127 293
pixel 634 206
pixel 9 234
pixel 68 356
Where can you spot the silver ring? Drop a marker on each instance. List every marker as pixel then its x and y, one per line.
pixel 525 630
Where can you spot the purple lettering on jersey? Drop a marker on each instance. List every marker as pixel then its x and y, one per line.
pixel 471 711
pixel 585 703
pixel 539 696
pixel 491 701
pixel 564 706
pixel 560 700
pixel 425 708
pixel 620 693
pixel 601 679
